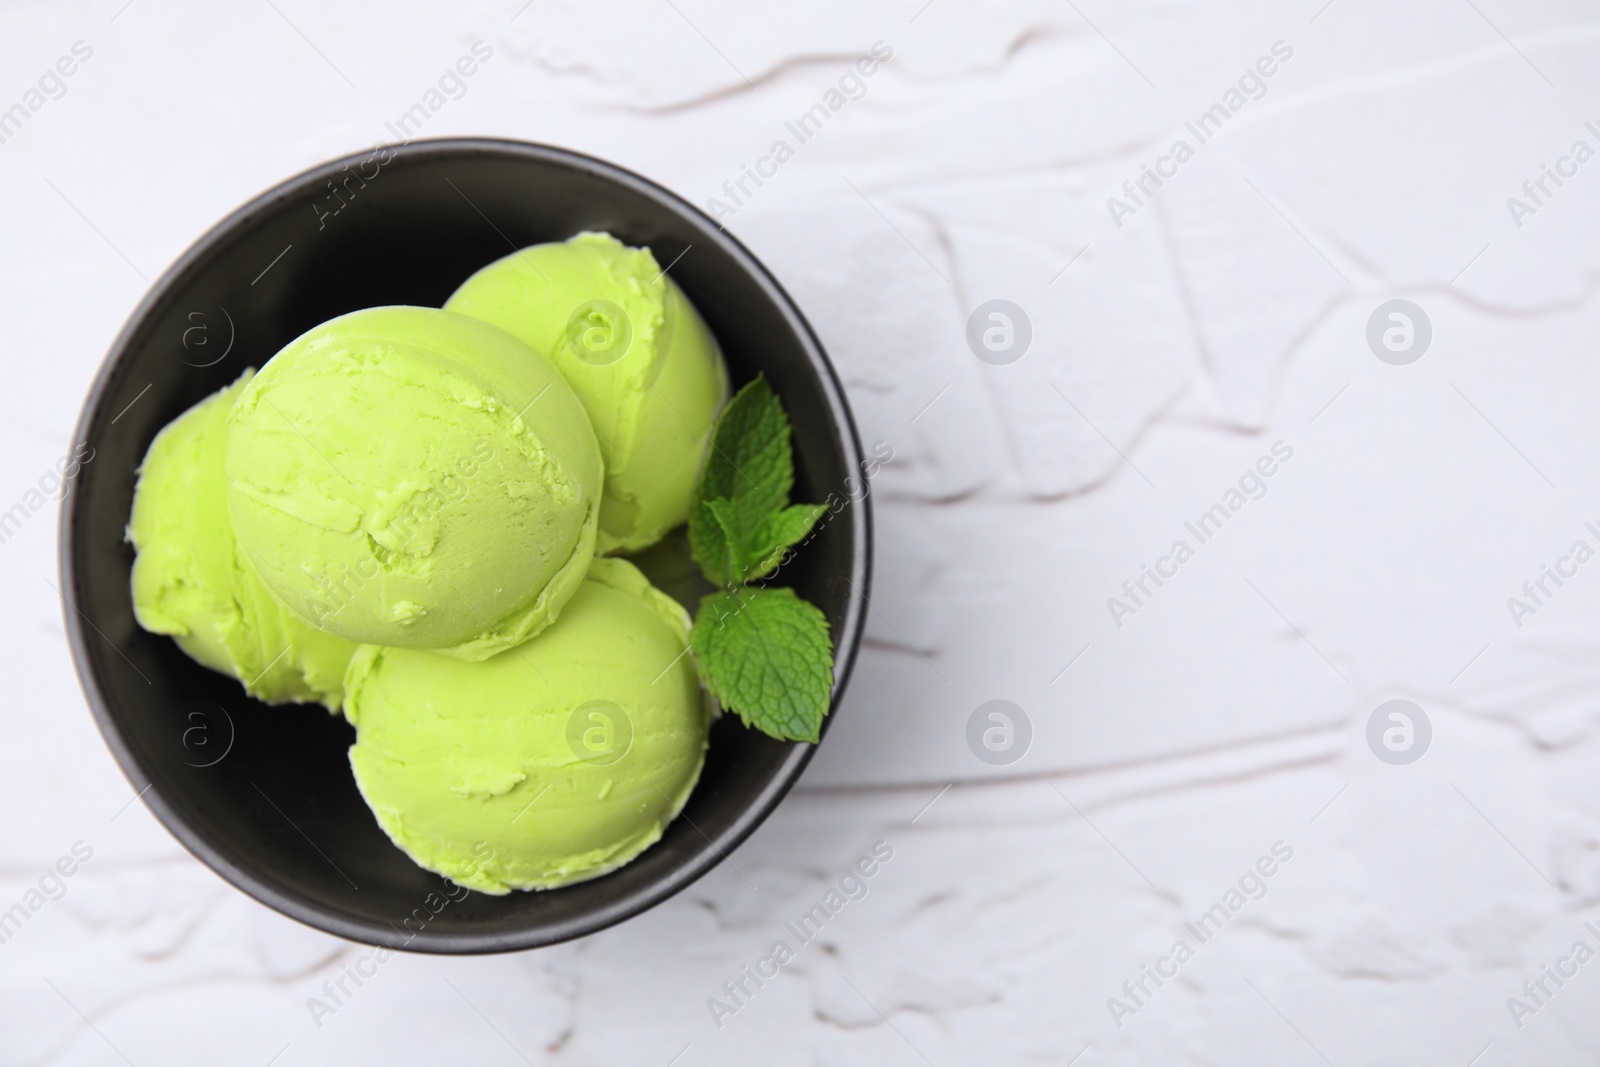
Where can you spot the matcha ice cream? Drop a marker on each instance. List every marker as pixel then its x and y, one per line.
pixel 403 516
pixel 191 580
pixel 551 763
pixel 416 478
pixel 636 352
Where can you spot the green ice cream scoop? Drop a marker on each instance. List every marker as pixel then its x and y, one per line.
pixel 413 477
pixel 552 763
pixel 191 580
pixel 639 356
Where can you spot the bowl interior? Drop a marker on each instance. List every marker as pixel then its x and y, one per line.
pixel 265 794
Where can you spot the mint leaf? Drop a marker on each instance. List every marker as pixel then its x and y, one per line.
pixel 751 554
pixel 764 550
pixel 727 544
pixel 751 466
pixel 709 543
pixel 751 463
pixel 766 655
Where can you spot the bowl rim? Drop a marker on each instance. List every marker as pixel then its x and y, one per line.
pixel 846 645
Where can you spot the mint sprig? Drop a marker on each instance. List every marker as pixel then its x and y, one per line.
pixel 740 521
pixel 765 653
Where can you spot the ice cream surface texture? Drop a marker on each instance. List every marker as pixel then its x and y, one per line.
pixel 191 580
pixel 638 354
pixel 552 763
pixel 412 477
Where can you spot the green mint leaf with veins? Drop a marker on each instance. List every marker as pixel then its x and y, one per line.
pixel 777 533
pixel 727 543
pixel 756 553
pixel 750 469
pixel 767 655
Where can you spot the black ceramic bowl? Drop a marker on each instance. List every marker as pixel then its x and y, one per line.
pixel 264 795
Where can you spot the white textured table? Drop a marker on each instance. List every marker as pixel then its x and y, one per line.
pixel 1182 731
